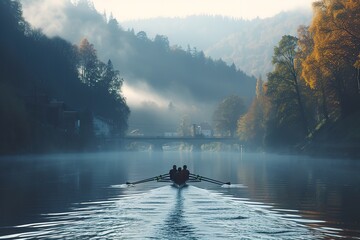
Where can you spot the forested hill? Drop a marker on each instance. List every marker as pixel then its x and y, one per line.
pixel 247 43
pixel 155 60
pixel 168 75
pixel 45 103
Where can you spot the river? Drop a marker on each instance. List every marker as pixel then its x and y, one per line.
pixel 83 196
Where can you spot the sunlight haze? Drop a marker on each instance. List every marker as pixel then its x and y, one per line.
pixel 125 10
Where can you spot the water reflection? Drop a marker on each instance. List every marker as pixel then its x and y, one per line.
pixel 325 191
pixel 165 213
pixel 176 226
pixel 279 197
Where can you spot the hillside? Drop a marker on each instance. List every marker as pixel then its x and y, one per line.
pixel 162 82
pixel 247 43
pixel 338 139
pixel 44 104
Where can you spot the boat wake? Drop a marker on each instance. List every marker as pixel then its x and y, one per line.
pixel 122 185
pixel 166 213
pixel 233 186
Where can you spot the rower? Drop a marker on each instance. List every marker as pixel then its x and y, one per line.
pixel 172 172
pixel 178 177
pixel 185 173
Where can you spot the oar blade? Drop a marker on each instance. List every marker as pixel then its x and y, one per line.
pixel 156 178
pixel 210 180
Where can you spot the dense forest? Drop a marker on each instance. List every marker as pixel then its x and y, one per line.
pixel 52 90
pixel 246 43
pixel 311 101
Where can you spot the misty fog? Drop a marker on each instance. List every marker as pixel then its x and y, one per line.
pixel 190 93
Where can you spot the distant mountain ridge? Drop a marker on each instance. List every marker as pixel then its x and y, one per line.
pixel 247 43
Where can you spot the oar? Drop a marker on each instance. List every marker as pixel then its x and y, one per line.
pixel 156 178
pixel 206 179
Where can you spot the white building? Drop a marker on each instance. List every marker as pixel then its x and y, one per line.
pixel 101 127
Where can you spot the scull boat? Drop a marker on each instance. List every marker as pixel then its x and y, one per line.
pixel 179 184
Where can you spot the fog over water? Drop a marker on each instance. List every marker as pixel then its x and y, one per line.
pixel 272 197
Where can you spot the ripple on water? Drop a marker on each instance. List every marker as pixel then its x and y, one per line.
pixel 168 213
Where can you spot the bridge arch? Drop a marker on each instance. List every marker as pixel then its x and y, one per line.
pixel 160 143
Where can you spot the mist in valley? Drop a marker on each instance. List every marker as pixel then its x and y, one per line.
pixel 169 75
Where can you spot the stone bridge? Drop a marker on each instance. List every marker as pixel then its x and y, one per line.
pixel 158 142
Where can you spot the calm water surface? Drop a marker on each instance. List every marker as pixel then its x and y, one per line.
pixel 271 197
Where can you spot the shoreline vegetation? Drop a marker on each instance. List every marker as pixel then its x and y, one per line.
pixel 338 149
pixel 341 138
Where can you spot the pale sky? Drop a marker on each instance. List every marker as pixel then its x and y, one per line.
pixel 248 9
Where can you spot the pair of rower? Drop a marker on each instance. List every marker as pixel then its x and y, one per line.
pixel 179 176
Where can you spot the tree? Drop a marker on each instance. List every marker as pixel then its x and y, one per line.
pixel 287 75
pixel 142 35
pixel 290 110
pixel 311 72
pixel 251 126
pixel 336 36
pixel 88 63
pixel 227 114
pixel 110 79
pixel 106 83
pixel 162 42
pixel 11 19
pixel 184 126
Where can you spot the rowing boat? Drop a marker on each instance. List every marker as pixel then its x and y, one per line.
pixel 179 184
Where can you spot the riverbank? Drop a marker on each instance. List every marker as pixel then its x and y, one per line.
pixel 335 139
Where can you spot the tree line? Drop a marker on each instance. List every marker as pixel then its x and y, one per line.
pixel 34 67
pixel 312 96
pixel 167 67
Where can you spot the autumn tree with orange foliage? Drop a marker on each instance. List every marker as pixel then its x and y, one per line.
pixel 251 127
pixel 315 84
pixel 312 71
pixel 331 66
